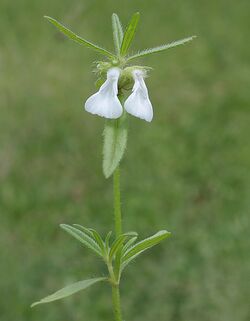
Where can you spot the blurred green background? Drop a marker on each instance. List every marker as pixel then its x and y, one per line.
pixel 187 171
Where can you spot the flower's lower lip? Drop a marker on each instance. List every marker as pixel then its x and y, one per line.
pixel 105 103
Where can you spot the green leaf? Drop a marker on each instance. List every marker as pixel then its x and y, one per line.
pixel 98 239
pixel 79 39
pixel 129 33
pixel 83 238
pixel 142 246
pixel 84 229
pixel 69 290
pixel 115 141
pixel 117 251
pixel 117 264
pixel 161 48
pixel 117 32
pixel 117 244
pixel 107 241
pixel 128 244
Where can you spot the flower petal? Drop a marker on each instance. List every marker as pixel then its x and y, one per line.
pixel 138 103
pixel 105 102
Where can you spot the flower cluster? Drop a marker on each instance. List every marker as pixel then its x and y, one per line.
pixel 105 102
pixel 116 78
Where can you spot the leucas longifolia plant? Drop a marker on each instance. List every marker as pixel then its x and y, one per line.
pixel 117 78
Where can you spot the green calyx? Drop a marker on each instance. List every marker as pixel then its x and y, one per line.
pixel 126 80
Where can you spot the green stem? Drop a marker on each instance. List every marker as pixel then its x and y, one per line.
pixel 117 203
pixel 118 231
pixel 116 302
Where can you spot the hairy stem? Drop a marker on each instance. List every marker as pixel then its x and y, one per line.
pixel 118 231
pixel 116 302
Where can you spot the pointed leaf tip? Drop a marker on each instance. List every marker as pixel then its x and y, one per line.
pixel 83 237
pixel 129 33
pixel 161 48
pixel 69 290
pixel 70 34
pixel 117 32
pixel 132 252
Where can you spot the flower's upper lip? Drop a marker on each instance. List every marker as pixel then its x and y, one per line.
pixel 138 73
pixel 113 73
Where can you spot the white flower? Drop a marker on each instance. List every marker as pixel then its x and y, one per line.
pixel 138 103
pixel 105 102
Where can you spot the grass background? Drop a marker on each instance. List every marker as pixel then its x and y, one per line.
pixel 187 171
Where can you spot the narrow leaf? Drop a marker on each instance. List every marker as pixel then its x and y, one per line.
pixel 117 32
pixel 98 239
pixel 115 141
pixel 142 246
pixel 116 245
pixel 161 48
pixel 128 244
pixel 83 238
pixel 117 263
pixel 69 290
pixel 107 241
pixel 79 39
pixel 129 33
pixel 146 243
pixel 84 229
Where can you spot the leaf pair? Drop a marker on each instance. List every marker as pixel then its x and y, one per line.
pixel 91 239
pixel 122 40
pixel 127 251
pixel 116 255
pixel 118 244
